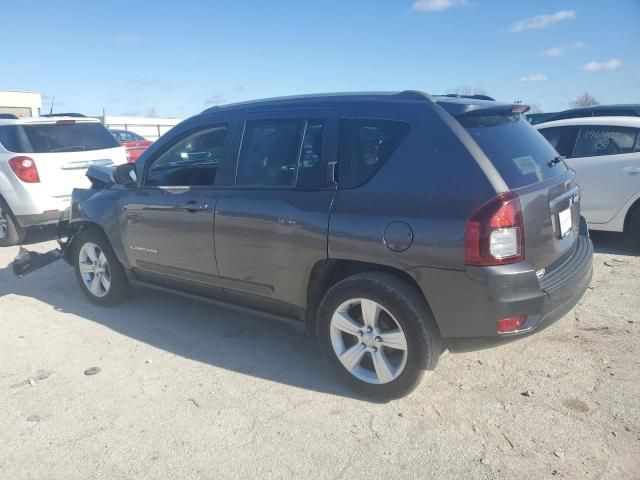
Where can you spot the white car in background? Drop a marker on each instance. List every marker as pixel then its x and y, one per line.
pixel 605 154
pixel 42 159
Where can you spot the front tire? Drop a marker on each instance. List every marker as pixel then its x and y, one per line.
pixel 10 232
pixel 100 274
pixel 377 334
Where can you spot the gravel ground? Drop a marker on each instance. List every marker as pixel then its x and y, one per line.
pixel 187 390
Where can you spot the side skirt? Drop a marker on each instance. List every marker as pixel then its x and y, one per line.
pixel 292 321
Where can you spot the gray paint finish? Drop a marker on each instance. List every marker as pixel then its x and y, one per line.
pixel 258 246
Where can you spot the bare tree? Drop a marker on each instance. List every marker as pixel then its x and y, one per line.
pixel 151 112
pixel 584 100
pixel 467 90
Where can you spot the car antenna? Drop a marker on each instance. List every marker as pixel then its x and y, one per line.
pixel 53 99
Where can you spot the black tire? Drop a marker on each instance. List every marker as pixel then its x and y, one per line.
pixel 10 232
pixel 119 288
pixel 411 312
pixel 634 228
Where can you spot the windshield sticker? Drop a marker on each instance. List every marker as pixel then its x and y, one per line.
pixel 527 165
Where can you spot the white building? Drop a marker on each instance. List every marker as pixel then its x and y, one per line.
pixel 21 104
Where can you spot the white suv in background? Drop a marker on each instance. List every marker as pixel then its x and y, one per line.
pixel 41 161
pixel 605 154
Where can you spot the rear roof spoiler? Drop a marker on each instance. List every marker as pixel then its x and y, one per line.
pixel 463 108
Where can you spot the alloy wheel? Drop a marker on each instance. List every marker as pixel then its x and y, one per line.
pixel 94 269
pixel 368 341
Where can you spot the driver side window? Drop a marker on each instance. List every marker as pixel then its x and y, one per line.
pixel 193 161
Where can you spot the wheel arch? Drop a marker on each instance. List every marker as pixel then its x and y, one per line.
pixel 71 233
pixel 328 272
pixel 635 207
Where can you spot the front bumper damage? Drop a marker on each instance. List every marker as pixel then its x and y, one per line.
pixel 29 261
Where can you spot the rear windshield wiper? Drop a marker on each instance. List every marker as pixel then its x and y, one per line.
pixel 69 148
pixel 555 160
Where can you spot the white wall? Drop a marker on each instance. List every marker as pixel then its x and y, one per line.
pixel 149 128
pixel 23 104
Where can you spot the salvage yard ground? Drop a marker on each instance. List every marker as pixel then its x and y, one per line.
pixel 187 390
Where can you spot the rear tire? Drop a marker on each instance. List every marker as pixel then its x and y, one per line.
pixel 100 274
pixel 634 228
pixel 386 357
pixel 10 232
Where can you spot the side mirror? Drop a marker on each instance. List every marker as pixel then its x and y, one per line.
pixel 125 174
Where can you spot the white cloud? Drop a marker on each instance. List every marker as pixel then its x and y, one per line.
pixel 562 49
pixel 436 5
pixel 542 21
pixel 125 39
pixel 597 66
pixel 538 77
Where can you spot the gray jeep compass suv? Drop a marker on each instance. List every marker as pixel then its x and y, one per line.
pixel 394 225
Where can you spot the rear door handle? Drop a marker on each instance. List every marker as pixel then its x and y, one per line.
pixel 632 170
pixel 193 207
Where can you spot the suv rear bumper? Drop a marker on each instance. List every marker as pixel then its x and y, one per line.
pixel 46 218
pixel 467 305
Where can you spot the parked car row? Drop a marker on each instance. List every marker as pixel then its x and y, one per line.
pixel 43 159
pixel 605 153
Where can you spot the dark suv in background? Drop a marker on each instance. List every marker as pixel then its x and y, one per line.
pixel 395 225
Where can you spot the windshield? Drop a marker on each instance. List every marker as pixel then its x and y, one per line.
pixel 49 138
pixel 520 154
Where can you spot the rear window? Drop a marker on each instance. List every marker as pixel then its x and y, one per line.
pixel 364 145
pixel 520 154
pixel 47 138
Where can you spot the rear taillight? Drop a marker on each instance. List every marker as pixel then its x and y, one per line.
pixel 25 169
pixel 495 232
pixel 510 324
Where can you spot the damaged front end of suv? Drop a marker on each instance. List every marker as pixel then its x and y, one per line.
pixel 88 207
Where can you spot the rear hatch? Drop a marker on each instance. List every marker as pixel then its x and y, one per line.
pixel 532 169
pixel 63 149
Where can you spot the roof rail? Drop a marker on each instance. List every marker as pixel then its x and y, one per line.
pixel 474 97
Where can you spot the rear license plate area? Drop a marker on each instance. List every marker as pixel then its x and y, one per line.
pixel 564 222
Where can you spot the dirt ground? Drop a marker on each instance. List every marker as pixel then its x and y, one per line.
pixel 187 390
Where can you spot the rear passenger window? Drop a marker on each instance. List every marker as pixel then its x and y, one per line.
pixel 193 161
pixel 269 153
pixel 364 145
pixel 605 140
pixel 562 139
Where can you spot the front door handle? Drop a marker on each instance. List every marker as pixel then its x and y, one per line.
pixel 193 207
pixel 287 222
pixel 632 170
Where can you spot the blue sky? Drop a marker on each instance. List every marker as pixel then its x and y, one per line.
pixel 181 57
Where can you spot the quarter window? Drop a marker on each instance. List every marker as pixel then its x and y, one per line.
pixel 269 153
pixel 364 145
pixel 605 140
pixel 193 161
pixel 562 139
